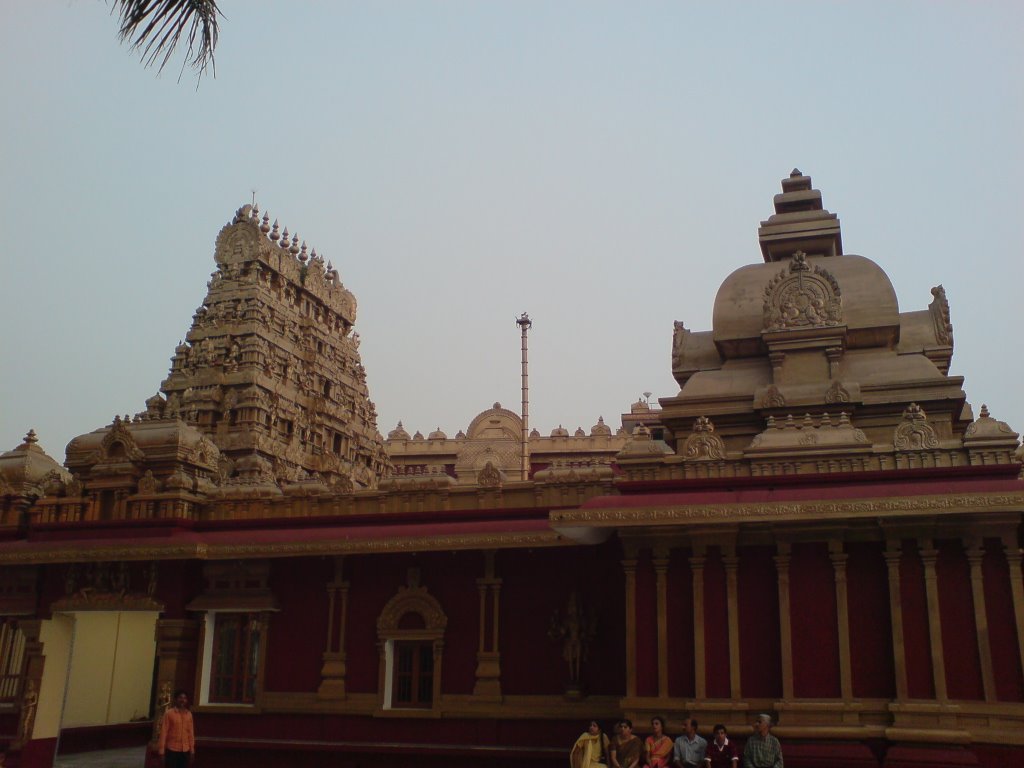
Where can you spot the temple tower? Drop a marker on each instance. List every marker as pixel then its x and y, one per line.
pixel 270 368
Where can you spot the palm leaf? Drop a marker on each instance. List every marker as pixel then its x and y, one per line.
pixel 156 27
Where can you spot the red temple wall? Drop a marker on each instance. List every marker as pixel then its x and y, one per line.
pixel 867 585
pixel 297 635
pixel 537 583
pixel 959 634
pixel 813 622
pixel 1002 628
pixel 916 643
pixel 680 625
pixel 760 648
pixel 716 626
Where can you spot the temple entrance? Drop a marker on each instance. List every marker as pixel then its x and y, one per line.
pixel 108 678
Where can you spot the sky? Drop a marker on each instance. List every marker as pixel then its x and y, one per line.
pixel 603 166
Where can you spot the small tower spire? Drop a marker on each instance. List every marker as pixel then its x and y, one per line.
pixel 524 323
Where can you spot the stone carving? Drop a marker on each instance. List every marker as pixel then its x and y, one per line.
pixel 576 628
pixel 802 297
pixel 147 483
pixel 680 335
pixel 163 703
pixel 703 444
pixel 837 393
pixel 773 398
pixel 29 700
pixel 915 433
pixel 939 309
pixel 489 476
pixel 119 440
pixel 986 426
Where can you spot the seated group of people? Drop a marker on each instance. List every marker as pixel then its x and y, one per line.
pixel 594 749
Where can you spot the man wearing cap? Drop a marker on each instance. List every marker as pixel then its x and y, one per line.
pixel 762 750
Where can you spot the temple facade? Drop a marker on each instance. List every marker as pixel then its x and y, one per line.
pixel 816 525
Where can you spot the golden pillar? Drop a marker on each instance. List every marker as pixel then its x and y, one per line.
pixel 629 569
pixel 661 557
pixel 488 657
pixel 699 663
pixel 928 557
pixel 785 629
pixel 975 555
pixel 839 558
pixel 732 562
pixel 899 655
pixel 1013 559
pixel 333 671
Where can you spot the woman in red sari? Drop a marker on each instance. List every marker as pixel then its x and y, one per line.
pixel 658 746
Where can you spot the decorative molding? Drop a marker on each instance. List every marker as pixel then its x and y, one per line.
pixel 731 513
pixel 202 551
pixel 703 444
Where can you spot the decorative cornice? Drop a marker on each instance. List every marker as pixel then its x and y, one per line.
pixel 731 513
pixel 202 551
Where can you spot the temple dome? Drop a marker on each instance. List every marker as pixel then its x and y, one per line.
pixel 398 433
pixel 870 310
pixel 25 467
pixel 600 428
pixel 437 434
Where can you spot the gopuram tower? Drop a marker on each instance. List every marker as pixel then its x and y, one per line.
pixel 270 368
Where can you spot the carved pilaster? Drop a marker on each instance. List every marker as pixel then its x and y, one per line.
pixel 899 656
pixel 629 569
pixel 1013 559
pixel 839 558
pixel 334 671
pixel 732 562
pixel 661 574
pixel 177 643
pixel 928 557
pixel 975 555
pixel 785 630
pixel 488 658
pixel 697 562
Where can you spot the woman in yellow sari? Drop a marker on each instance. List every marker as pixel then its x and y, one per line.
pixel 658 746
pixel 590 749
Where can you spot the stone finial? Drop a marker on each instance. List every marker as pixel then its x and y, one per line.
pixel 30 437
pixel 303 256
pixel 275 235
pixel 293 249
pixel 984 411
pixel 265 224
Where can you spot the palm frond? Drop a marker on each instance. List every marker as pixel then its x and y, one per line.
pixel 156 27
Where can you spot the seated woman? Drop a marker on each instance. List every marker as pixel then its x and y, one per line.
pixel 658 746
pixel 590 749
pixel 628 749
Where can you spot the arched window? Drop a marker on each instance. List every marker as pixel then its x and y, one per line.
pixel 410 631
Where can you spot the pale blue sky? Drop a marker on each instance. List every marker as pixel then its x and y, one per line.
pixel 601 165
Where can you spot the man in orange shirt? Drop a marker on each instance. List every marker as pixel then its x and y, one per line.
pixel 177 736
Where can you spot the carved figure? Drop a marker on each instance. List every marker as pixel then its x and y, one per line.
pixel 575 629
pixel 679 338
pixel 28 712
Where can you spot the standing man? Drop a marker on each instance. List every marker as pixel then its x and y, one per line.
pixel 690 749
pixel 763 750
pixel 177 735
